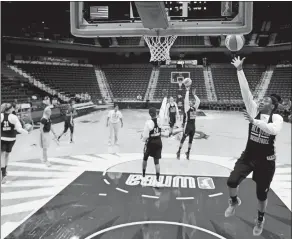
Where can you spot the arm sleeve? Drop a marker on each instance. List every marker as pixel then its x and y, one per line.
pixel 250 104
pixel 270 128
pixel 14 120
pixel 162 111
pixel 146 131
pixel 176 107
pixel 120 115
pixel 198 102
pixel 187 101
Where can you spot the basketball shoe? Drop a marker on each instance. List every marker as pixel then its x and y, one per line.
pixel 230 211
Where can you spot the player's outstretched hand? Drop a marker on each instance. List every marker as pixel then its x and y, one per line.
pixel 238 63
pixel 247 116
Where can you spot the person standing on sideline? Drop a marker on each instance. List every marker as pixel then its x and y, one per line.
pixel 45 138
pixel 113 120
pixel 10 124
pixel 259 155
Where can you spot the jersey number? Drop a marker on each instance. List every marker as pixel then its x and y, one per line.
pixel 6 126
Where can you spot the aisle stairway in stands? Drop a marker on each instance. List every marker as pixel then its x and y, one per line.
pixel 126 81
pixel 210 88
pixel 64 78
pixel 152 84
pixel 103 85
pixel 263 85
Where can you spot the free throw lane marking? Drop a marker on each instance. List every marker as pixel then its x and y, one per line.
pixel 148 196
pixel 184 198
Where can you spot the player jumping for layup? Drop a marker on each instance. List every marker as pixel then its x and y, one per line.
pixel 189 121
pixel 259 155
pixel 152 138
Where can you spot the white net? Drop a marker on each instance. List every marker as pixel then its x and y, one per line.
pixel 160 47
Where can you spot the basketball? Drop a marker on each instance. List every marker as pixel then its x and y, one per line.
pixel 28 127
pixel 187 82
pixel 234 42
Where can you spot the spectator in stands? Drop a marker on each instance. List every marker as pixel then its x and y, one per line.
pixel 139 97
pixel 29 102
pixel 113 119
pixel 89 97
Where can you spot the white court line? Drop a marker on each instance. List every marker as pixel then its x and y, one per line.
pixel 102 194
pixel 148 196
pixel 215 195
pixel 184 198
pixel 107 182
pixel 6 231
pixel 122 190
pixel 154 222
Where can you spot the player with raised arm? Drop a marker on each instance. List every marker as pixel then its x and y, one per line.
pixel 189 121
pixel 259 155
pixel 152 138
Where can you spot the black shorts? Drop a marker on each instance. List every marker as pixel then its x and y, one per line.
pixel 153 149
pixel 6 146
pixel 67 126
pixel 190 130
pixel 172 120
pixel 263 170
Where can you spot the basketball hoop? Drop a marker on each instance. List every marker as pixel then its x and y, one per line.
pixel 160 47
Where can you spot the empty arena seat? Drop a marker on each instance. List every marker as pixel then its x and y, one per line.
pixel 69 80
pixel 226 81
pixel 128 41
pixel 128 80
pixel 189 41
pixel 15 86
pixel 281 82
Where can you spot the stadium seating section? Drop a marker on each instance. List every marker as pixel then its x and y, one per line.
pixel 189 41
pixel 13 86
pixel 164 82
pixel 69 80
pixel 281 82
pixel 226 82
pixel 127 81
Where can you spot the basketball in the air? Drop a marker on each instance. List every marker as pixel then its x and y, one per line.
pixel 28 127
pixel 234 42
pixel 187 82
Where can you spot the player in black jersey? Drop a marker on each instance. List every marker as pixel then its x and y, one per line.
pixel 10 124
pixel 69 120
pixel 259 155
pixel 173 114
pixel 152 137
pixel 189 121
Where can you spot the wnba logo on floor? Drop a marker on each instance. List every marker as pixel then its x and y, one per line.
pixel 173 181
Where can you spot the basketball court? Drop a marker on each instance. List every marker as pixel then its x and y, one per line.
pixel 93 190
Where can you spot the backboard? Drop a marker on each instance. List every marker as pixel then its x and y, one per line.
pixel 130 19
